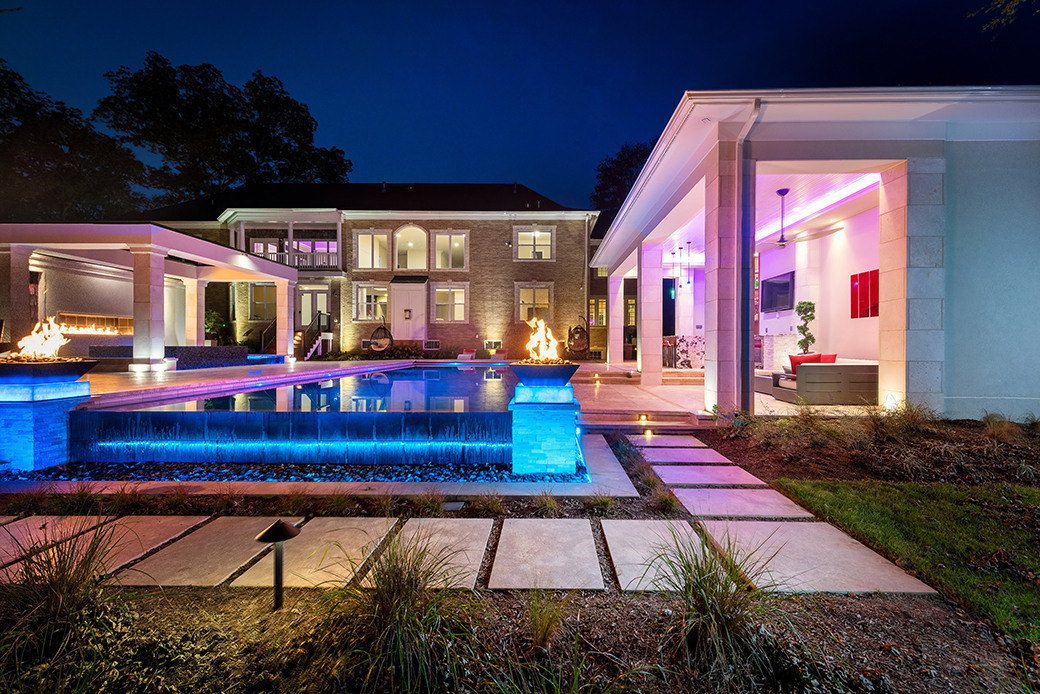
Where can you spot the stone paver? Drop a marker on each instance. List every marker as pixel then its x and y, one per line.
pixel 4 520
pixel 690 456
pixel 327 551
pixel 41 530
pixel 739 503
pixel 546 553
pixel 706 476
pixel 814 557
pixel 633 544
pixel 206 557
pixel 463 541
pixel 665 441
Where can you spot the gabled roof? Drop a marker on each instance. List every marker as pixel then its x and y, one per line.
pixel 434 197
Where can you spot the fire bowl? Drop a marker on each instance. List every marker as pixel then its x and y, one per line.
pixel 36 372
pixel 543 374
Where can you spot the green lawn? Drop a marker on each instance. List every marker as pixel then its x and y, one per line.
pixel 981 544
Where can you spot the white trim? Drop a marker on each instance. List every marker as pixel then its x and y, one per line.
pixel 356 253
pixel 356 302
pixel 426 254
pixel 517 286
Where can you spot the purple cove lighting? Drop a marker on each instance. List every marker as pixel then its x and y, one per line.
pixel 820 203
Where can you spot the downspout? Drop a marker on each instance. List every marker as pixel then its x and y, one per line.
pixel 746 225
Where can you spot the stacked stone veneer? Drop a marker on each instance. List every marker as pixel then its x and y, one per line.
pixel 35 434
pixel 776 350
pixel 545 420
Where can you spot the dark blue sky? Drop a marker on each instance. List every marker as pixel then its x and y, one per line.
pixel 537 91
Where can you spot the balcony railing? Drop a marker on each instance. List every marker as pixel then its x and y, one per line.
pixel 306 261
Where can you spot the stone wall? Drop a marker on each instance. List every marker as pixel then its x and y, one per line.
pixel 776 349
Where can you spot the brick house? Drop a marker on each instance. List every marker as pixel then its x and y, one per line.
pixel 459 265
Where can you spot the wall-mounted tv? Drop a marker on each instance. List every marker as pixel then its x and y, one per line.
pixel 778 293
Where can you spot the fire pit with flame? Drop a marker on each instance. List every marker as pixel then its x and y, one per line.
pixel 544 367
pixel 38 362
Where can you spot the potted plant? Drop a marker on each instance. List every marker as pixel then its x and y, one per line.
pixel 806 311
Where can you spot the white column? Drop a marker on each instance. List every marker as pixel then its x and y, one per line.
pixel 149 321
pixel 290 251
pixel 616 319
pixel 285 290
pixel 195 312
pixel 721 270
pixel 241 236
pixel 649 334
pixel 339 243
pixel 14 293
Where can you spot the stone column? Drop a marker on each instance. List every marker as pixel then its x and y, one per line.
pixel 14 293
pixel 195 312
pixel 149 319
pixel 649 334
pixel 616 320
pixel 721 265
pixel 241 244
pixel 285 290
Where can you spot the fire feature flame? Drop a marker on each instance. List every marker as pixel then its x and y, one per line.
pixel 91 330
pixel 542 345
pixel 43 343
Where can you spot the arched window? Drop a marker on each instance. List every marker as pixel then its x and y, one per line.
pixel 411 248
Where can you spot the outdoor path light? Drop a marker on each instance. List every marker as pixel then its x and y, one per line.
pixel 278 532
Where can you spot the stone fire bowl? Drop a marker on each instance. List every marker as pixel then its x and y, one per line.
pixel 533 375
pixel 36 372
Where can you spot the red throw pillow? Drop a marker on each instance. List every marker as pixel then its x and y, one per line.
pixel 828 358
pixel 797 359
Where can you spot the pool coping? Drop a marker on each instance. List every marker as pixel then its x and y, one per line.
pixel 607 477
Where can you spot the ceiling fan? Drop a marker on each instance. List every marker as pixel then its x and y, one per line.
pixel 805 235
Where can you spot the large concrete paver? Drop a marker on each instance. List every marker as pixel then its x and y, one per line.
pixel 4 520
pixel 546 553
pixel 633 545
pixel 707 476
pixel 41 530
pixel 458 542
pixel 813 557
pixel 689 456
pixel 206 557
pixel 738 503
pixel 665 441
pixel 327 551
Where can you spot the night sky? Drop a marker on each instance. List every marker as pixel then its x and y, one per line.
pixel 537 91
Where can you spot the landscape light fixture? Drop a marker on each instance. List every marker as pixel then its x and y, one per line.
pixel 278 532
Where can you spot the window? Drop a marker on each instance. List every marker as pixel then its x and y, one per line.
pixel 431 344
pixel 314 246
pixel 630 312
pixel 492 344
pixel 534 242
pixel 534 300
pixel 411 248
pixel 597 311
pixel 371 302
pixel 269 248
pixel 601 272
pixel 263 302
pixel 450 250
pixel 370 251
pixel 449 303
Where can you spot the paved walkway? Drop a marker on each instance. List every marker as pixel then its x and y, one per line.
pixel 736 512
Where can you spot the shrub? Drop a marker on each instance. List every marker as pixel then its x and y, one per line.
pixel 400 632
pixel 1031 423
pixel 1001 429
pixel 429 504
pixel 176 500
pixel 30 501
pixel 228 500
pixel 339 504
pixel 381 505
pixel 545 614
pixel 665 502
pixel 83 500
pixel 545 505
pixel 490 504
pixel 600 503
pixel 728 608
pixel 126 499
pixel 296 502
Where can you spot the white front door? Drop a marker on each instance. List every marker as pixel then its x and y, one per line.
pixel 314 299
pixel 408 311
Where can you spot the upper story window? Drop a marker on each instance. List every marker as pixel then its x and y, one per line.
pixel 371 302
pixel 534 242
pixel 533 300
pixel 371 250
pixel 601 272
pixel 450 302
pixel 597 312
pixel 411 248
pixel 450 252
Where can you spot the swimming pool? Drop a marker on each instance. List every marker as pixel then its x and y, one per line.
pixel 433 419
